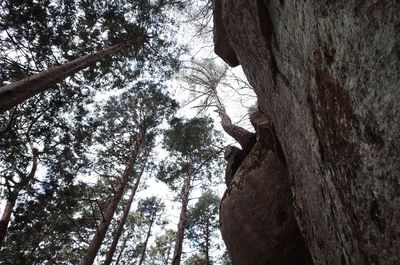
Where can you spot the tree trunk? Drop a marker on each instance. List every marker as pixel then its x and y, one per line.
pixel 6 216
pixel 168 253
pixel 122 251
pixel 98 238
pixel 143 254
pixel 176 260
pixel 207 247
pixel 245 138
pixel 122 222
pixel 19 91
pixel 12 198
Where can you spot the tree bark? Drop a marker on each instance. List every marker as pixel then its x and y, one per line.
pixel 245 138
pixel 12 198
pixel 19 91
pixel 176 260
pixel 98 238
pixel 6 216
pixel 143 254
pixel 122 222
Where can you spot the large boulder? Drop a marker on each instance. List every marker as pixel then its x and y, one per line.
pixel 256 213
pixel 328 75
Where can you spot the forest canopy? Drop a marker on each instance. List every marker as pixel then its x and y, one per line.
pixel 90 128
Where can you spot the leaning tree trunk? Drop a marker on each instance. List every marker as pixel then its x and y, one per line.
pixel 122 222
pixel 12 198
pixel 245 138
pixel 98 238
pixel 176 259
pixel 19 91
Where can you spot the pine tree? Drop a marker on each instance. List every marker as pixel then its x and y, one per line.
pixel 203 223
pixel 191 143
pixel 126 136
pixel 34 37
pixel 152 209
pixel 19 91
pixel 124 217
pixel 197 259
pixel 203 79
pixel 161 251
pixel 48 35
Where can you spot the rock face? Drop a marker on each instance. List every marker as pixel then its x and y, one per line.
pixel 328 75
pixel 257 215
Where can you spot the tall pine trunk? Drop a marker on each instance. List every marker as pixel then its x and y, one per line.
pixel 176 259
pixel 12 198
pixel 122 222
pixel 19 91
pixel 143 254
pixel 98 238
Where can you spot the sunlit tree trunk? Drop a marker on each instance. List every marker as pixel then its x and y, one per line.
pixel 19 91
pixel 209 76
pixel 245 138
pixel 12 198
pixel 176 259
pixel 98 238
pixel 6 216
pixel 122 222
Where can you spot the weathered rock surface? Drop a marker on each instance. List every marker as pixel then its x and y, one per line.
pixel 328 75
pixel 222 46
pixel 257 215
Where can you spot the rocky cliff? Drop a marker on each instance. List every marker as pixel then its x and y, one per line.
pixel 327 73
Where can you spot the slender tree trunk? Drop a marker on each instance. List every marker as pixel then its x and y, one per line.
pixel 143 254
pixel 6 216
pixel 98 238
pixel 19 91
pixel 176 259
pixel 168 253
pixel 245 138
pixel 207 246
pixel 12 198
pixel 122 250
pixel 122 222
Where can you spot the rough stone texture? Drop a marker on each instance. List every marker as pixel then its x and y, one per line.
pixel 222 46
pixel 328 74
pixel 257 215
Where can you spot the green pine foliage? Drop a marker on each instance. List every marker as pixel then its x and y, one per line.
pixel 194 138
pixel 202 226
pixel 83 143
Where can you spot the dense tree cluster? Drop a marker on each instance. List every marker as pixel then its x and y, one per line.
pixel 84 108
